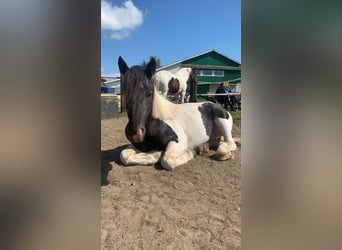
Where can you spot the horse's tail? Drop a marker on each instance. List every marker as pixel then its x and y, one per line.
pixel 173 85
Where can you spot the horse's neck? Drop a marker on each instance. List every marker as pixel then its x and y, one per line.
pixel 162 108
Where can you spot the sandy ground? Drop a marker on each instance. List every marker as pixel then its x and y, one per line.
pixel 197 206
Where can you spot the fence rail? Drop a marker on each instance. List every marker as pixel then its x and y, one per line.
pixel 215 94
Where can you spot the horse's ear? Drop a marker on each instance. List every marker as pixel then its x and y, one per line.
pixel 122 65
pixel 151 68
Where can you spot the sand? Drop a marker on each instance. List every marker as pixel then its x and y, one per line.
pixel 196 206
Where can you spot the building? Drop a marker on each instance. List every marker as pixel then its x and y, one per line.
pixel 112 81
pixel 211 67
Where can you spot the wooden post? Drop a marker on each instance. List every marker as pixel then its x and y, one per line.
pixel 193 86
pixel 121 109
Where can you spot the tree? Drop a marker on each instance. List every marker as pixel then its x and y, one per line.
pixel 158 64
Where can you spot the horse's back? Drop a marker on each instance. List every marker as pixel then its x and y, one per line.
pixel 163 76
pixel 161 80
pixel 195 121
pixel 206 108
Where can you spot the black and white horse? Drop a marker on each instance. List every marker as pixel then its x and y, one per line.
pixel 175 84
pixel 160 130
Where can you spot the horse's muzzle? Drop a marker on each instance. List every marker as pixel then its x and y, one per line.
pixel 136 137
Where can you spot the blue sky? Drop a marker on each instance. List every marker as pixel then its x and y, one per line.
pixel 170 30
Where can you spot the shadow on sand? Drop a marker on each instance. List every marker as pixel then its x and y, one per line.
pixel 108 156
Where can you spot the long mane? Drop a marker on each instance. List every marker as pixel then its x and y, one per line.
pixel 162 108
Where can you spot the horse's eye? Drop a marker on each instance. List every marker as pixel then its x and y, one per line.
pixel 149 94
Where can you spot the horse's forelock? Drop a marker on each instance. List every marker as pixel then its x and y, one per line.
pixel 133 77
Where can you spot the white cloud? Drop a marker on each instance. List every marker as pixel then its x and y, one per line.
pixel 121 34
pixel 120 20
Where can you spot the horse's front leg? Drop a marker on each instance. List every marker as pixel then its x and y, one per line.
pixel 225 148
pixel 132 156
pixel 176 155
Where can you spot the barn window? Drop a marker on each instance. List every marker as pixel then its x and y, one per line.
pixel 207 72
pixel 218 73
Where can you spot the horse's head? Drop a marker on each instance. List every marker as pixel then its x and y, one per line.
pixel 137 92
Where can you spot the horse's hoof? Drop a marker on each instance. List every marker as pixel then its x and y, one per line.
pixel 125 156
pixel 231 146
pixel 237 140
pixel 223 157
pixel 167 165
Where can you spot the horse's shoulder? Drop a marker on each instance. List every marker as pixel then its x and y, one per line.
pixel 159 134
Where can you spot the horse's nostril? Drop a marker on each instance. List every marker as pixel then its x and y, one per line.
pixel 140 132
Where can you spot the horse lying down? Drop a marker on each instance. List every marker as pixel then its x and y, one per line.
pixel 160 130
